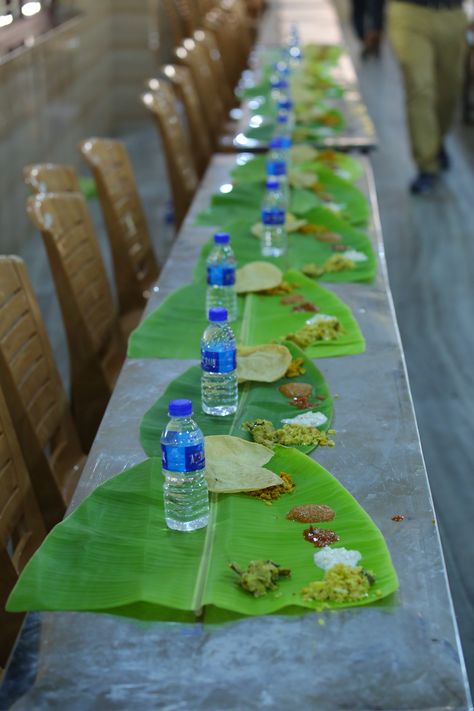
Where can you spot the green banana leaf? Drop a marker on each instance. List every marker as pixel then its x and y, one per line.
pixel 245 199
pixel 175 328
pixel 317 55
pixel 256 400
pixel 302 248
pixel 303 132
pixel 115 554
pixel 341 164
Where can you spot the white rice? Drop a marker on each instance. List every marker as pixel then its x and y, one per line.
pixel 319 317
pixel 327 557
pixel 335 206
pixel 354 255
pixel 308 419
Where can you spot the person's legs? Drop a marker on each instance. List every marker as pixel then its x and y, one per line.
pixel 358 18
pixel 450 47
pixel 410 30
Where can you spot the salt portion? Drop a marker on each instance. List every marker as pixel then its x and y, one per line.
pixel 354 255
pixel 319 317
pixel 308 419
pixel 327 557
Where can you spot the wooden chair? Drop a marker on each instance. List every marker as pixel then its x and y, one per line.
pixel 35 395
pixel 51 178
pixel 182 82
pixel 218 67
pixel 233 38
pixel 21 527
pixel 182 174
pixel 195 57
pixel 175 21
pixel 95 339
pixel 135 265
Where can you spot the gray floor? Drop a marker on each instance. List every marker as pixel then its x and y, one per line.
pixel 430 253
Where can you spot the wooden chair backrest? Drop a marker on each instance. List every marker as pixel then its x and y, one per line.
pixel 175 21
pixel 181 79
pixel 183 177
pixel 134 261
pixel 95 340
pixel 21 526
pixel 194 56
pixel 51 178
pixel 35 395
pixel 218 66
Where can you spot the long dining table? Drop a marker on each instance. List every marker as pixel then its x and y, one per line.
pixel 401 653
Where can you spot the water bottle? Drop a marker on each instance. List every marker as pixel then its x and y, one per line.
pixel 280 89
pixel 219 394
pixel 221 276
pixel 286 106
pixel 283 129
pixel 274 241
pixel 185 488
pixel 277 165
pixel 294 47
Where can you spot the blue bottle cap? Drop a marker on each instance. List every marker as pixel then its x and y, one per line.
pixel 272 184
pixel 278 142
pixel 280 84
pixel 217 314
pixel 222 238
pixel 282 118
pixel 285 105
pixel 180 408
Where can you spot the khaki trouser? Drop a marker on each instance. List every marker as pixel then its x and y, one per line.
pixel 430 47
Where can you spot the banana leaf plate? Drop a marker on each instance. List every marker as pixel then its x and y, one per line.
pixel 303 249
pixel 245 199
pixel 344 166
pixel 115 554
pixel 175 328
pixel 256 400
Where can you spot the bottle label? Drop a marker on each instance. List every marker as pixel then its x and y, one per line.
pixel 182 459
pixel 273 216
pixel 218 275
pixel 276 167
pixel 219 361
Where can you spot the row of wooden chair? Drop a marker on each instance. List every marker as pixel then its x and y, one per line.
pixel 42 445
pixel 44 438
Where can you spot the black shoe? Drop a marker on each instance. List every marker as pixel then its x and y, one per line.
pixel 423 184
pixel 444 158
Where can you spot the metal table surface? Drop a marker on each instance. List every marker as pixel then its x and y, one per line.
pixel 402 653
pixel 359 131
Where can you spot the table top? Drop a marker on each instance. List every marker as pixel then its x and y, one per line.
pixel 402 653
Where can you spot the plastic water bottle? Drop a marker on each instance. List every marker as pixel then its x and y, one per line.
pixel 294 47
pixel 277 165
pixel 286 106
pixel 274 238
pixel 221 276
pixel 185 488
pixel 219 393
pixel 283 129
pixel 280 89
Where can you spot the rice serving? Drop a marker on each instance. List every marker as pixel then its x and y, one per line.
pixel 308 419
pixel 354 255
pixel 327 557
